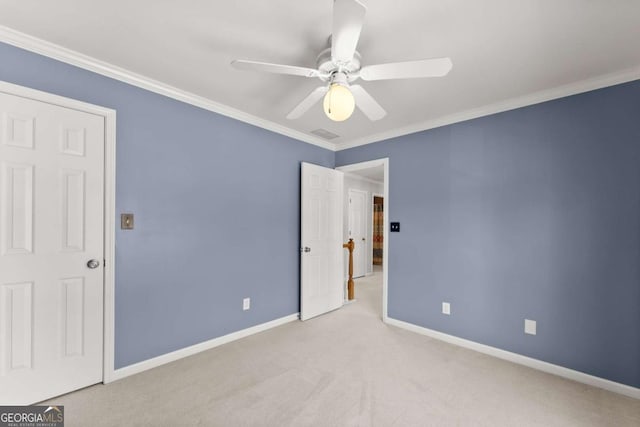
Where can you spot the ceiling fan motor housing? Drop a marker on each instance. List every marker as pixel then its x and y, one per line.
pixel 339 78
pixel 327 68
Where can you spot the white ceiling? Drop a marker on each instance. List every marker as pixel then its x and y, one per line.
pixel 501 50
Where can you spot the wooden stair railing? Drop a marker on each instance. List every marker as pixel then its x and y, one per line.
pixel 350 291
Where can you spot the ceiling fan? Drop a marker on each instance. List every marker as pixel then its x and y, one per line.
pixel 340 65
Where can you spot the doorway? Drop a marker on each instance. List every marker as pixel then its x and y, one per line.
pixel 371 177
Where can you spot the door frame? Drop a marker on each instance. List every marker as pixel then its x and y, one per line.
pixel 364 206
pixel 109 227
pixel 385 244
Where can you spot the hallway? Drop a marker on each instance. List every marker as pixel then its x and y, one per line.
pixel 368 294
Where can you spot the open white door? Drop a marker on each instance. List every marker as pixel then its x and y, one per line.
pixel 321 261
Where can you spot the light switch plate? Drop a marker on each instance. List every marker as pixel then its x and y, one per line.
pixel 446 308
pixel 246 304
pixel 126 221
pixel 530 327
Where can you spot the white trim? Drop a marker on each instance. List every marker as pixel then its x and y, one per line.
pixel 498 107
pixel 363 165
pixel 109 203
pixel 198 348
pixel 385 244
pixel 49 98
pixel 109 246
pixel 51 50
pixel 550 368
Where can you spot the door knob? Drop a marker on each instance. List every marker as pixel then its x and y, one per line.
pixel 305 249
pixel 93 263
pixel 363 239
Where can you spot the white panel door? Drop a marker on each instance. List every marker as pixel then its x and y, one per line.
pixel 358 230
pixel 51 225
pixel 321 261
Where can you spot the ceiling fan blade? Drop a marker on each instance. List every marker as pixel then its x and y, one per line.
pixel 436 67
pixel 367 104
pixel 293 70
pixel 307 103
pixel 348 17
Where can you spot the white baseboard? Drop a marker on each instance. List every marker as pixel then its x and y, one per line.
pixel 197 348
pixel 550 368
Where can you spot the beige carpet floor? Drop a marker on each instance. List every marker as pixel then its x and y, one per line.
pixel 345 368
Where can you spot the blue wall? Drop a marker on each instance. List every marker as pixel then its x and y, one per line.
pixel 217 212
pixel 532 213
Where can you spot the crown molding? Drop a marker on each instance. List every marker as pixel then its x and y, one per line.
pixel 71 57
pixel 498 107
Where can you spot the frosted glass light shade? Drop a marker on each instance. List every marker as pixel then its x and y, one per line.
pixel 339 103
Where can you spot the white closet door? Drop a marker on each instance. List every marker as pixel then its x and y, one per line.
pixel 51 227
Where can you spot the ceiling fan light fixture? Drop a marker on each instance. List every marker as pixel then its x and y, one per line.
pixel 340 65
pixel 339 103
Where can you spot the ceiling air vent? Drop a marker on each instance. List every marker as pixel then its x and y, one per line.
pixel 323 133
